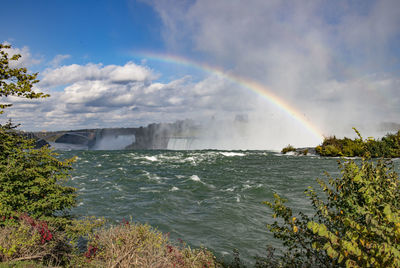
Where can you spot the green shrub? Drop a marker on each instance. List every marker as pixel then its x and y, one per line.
pixel 288 149
pixel 357 223
pixel 31 179
pixel 388 146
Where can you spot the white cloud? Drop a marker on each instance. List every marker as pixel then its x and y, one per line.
pixel 26 59
pixel 69 74
pixel 56 61
pixel 94 95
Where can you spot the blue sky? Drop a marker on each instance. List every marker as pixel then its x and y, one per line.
pixel 335 62
pixel 91 31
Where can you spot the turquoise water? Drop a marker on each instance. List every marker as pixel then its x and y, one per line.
pixel 206 198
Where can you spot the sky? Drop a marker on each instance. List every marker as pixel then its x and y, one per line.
pixel 296 70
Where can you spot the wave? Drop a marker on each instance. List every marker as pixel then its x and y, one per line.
pixel 229 154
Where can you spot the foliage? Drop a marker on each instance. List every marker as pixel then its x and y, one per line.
pixel 388 146
pixel 31 179
pixel 15 81
pixel 287 149
pixel 357 224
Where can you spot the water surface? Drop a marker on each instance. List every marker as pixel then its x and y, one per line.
pixel 206 198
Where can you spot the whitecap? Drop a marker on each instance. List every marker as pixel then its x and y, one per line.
pixel 173 189
pixel 195 178
pixel 246 186
pixel 238 198
pixel 232 154
pixel 151 158
pixel 229 189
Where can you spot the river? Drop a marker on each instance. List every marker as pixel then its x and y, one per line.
pixel 206 198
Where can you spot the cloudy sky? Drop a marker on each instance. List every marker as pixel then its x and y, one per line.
pixel 114 63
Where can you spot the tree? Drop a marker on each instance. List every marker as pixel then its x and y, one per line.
pixel 30 179
pixel 15 81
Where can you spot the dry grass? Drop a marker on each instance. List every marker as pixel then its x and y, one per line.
pixel 137 245
pixel 125 245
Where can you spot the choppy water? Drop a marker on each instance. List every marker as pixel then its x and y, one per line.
pixel 206 198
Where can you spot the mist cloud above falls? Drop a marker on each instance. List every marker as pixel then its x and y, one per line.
pixel 335 62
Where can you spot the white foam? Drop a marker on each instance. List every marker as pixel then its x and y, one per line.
pixel 246 186
pixel 195 178
pixel 173 189
pixel 232 154
pixel 229 189
pixel 238 198
pixel 151 158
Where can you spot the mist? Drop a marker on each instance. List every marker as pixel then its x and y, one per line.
pixel 114 142
pixel 246 132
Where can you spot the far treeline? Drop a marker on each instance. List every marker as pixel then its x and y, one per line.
pixel 387 147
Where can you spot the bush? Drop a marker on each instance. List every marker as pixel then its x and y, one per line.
pixel 357 224
pixel 30 239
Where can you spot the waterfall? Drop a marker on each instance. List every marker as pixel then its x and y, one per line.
pixel 114 142
pixel 180 144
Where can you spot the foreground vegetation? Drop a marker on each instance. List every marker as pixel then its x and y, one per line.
pixel 356 223
pixel 124 245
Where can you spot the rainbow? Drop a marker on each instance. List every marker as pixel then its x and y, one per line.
pixel 247 83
